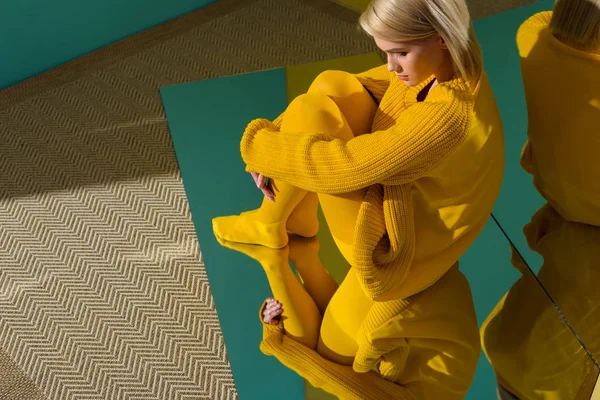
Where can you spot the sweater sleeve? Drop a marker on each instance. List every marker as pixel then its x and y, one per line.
pixel 339 380
pixel 423 135
pixel 375 80
pixel 392 364
pixel 529 31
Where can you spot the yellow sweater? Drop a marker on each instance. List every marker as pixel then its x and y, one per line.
pixel 424 347
pixel 562 88
pixel 532 350
pixel 433 171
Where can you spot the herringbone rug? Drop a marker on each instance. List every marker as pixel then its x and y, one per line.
pixel 103 294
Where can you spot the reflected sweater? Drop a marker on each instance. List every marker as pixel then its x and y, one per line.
pixel 562 89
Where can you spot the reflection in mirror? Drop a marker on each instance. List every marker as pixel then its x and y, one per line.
pixel 561 154
pixel 533 351
pixel 562 149
pixel 557 133
pixel 428 345
pixel 425 347
pixel 569 273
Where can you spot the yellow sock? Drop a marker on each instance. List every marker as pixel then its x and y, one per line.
pixel 266 225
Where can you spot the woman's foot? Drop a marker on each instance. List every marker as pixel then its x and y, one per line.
pixel 267 257
pixel 272 312
pixel 303 221
pixel 248 228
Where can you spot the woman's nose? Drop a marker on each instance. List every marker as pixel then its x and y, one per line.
pixel 393 66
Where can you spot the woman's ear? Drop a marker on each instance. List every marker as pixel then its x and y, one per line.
pixel 442 42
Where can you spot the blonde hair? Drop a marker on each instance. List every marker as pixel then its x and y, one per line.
pixel 577 23
pixel 407 20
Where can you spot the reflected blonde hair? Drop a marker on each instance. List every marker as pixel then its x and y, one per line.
pixel 408 20
pixel 577 23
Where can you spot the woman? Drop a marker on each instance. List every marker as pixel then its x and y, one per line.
pixel 560 64
pixel 406 161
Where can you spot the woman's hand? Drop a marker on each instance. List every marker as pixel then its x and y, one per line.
pixel 263 185
pixel 272 312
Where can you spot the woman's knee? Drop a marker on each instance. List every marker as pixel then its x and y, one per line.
pixel 316 112
pixel 354 101
pixel 314 104
pixel 335 84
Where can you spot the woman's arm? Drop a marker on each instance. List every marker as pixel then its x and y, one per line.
pixel 336 379
pixel 423 135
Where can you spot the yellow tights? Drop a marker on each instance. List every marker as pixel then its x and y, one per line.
pixel 318 314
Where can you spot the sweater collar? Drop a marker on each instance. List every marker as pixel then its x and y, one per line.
pixel 413 92
pixel 454 84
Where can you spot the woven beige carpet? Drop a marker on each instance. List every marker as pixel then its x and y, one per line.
pixel 103 294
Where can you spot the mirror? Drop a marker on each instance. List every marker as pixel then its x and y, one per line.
pixel 549 208
pixel 534 351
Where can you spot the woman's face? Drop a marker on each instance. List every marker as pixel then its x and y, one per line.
pixel 415 61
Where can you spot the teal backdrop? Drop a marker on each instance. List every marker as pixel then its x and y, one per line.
pixel 38 35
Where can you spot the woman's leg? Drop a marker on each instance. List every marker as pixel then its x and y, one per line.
pixel 267 225
pixel 338 104
pixel 342 319
pixel 320 110
pixel 351 97
pixel 303 305
pixel 312 112
pixel 303 220
pixel 358 108
pixel 301 316
pixel 318 283
pixel 351 107
pixel 345 308
pixel 348 306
